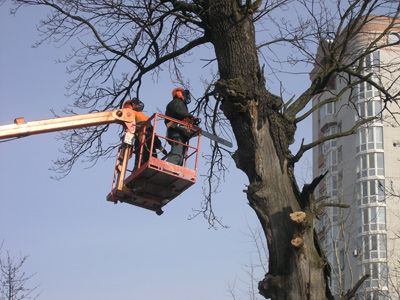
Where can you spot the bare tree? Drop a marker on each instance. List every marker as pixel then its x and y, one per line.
pixel 117 44
pixel 246 288
pixel 14 280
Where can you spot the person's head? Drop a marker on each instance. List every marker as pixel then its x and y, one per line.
pixel 135 104
pixel 181 94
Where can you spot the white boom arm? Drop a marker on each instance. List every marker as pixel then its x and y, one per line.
pixel 21 128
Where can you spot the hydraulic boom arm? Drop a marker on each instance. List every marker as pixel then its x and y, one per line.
pixel 153 182
pixel 20 128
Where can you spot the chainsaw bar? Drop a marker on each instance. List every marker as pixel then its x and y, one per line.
pixel 207 134
pixel 215 138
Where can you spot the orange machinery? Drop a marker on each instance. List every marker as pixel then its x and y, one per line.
pixel 152 183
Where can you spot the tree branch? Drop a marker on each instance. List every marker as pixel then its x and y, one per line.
pixel 94 31
pixel 183 6
pixel 309 188
pixel 369 79
pixel 189 46
pixel 335 98
pixel 315 88
pixel 352 293
pixel 304 148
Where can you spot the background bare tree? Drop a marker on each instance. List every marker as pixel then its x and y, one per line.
pixel 255 45
pixel 14 281
pixel 246 288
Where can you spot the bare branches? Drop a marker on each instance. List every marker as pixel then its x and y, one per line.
pixel 352 293
pixel 86 143
pixel 308 189
pixel 149 34
pixel 215 122
pixel 316 87
pixel 334 98
pixel 14 280
pixel 256 266
pixel 184 6
pixel 114 46
pixel 331 204
pixel 143 34
pixel 267 8
pixel 215 175
pixel 352 130
pixel 368 78
pixel 335 36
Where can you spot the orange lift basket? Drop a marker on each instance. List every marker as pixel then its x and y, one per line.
pixel 153 183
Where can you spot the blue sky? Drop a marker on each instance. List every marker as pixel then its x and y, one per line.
pixel 80 246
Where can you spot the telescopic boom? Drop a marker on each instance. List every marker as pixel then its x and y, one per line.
pixel 20 128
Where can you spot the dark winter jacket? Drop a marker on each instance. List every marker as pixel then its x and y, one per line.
pixel 177 109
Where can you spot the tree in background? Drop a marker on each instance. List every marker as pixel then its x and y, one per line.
pixel 13 279
pixel 246 288
pixel 251 48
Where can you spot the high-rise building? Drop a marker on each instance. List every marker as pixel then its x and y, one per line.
pixel 363 169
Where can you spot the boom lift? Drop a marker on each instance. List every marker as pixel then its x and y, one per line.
pixel 152 183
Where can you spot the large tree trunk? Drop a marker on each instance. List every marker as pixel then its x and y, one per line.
pixel 263 136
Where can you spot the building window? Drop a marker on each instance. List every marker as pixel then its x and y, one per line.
pixel 365 90
pixel 374 295
pixel 320 149
pixel 373 218
pixel 370 164
pixel 327 131
pixel 371 191
pixel 370 138
pixel 394 38
pixel 371 61
pixel 327 110
pixel 340 154
pixel 332 185
pixel 378 274
pixel 374 246
pixel 331 160
pixel 370 108
pixel 340 180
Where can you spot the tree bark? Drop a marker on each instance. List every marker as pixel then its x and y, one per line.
pixel 263 135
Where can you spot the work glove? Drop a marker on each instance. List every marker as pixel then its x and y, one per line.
pixel 196 121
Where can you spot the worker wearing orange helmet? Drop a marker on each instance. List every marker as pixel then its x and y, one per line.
pixel 178 135
pixel 141 119
pixel 138 107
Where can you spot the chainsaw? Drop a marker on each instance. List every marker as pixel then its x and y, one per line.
pixel 194 126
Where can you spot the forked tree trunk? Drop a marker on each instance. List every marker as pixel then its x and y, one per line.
pixel 263 138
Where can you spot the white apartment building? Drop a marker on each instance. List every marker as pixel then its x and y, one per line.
pixel 363 171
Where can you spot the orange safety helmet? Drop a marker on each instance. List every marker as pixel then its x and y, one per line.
pixel 178 93
pixel 182 94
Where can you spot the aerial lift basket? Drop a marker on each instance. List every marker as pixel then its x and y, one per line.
pixel 153 181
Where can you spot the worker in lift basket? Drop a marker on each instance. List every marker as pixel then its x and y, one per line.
pixel 177 109
pixel 141 119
